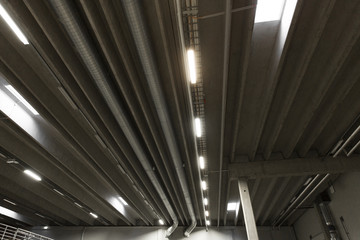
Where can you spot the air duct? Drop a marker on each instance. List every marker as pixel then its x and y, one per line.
pixel 71 22
pixel 139 33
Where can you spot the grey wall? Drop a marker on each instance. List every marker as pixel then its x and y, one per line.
pixel 144 233
pixel 345 202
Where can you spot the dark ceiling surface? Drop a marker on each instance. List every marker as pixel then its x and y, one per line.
pixel 286 97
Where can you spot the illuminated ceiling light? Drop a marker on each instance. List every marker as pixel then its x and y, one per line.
pixel 206 202
pixel 202 162
pixel 32 175
pixel 94 215
pixel 8 201
pixel 192 66
pixel 46 227
pixel 161 222
pixel 4 14
pixel 78 205
pixel 21 99
pixel 267 11
pixel 203 185
pixel 123 201
pixel 208 222
pixel 207 213
pixel 58 192
pixel 231 206
pixel 198 127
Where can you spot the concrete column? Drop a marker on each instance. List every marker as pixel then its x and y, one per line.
pixel 248 212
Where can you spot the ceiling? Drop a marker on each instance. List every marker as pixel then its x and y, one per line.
pixel 110 82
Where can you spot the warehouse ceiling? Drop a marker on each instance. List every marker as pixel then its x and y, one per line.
pixel 114 134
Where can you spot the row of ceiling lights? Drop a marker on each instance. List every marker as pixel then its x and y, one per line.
pixel 4 14
pixel 198 129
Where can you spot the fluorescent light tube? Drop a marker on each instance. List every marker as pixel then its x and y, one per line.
pixel 267 10
pixel 32 175
pixel 207 213
pixel 4 14
pixel 206 201
pixel 94 215
pixel 231 206
pixel 198 127
pixel 8 201
pixel 123 201
pixel 46 227
pixel 58 192
pixel 21 99
pixel 203 185
pixel 208 222
pixel 78 205
pixel 202 162
pixel 161 222
pixel 192 66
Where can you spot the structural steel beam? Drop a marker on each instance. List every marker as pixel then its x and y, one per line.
pixel 248 212
pixel 294 167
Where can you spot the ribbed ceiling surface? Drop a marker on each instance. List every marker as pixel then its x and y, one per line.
pixel 287 96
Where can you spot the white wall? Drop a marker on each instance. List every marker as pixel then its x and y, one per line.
pixel 345 201
pixel 144 233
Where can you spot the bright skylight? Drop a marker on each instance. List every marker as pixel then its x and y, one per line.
pixel 269 10
pixel 231 206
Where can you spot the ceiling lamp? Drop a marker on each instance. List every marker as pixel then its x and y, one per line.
pixel 123 201
pixel 206 202
pixel 4 14
pixel 32 175
pixel 94 215
pixel 202 162
pixel 198 127
pixel 192 66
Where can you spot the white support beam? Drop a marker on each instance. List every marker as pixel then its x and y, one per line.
pixel 248 212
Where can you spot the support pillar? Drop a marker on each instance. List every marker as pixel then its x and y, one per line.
pixel 248 212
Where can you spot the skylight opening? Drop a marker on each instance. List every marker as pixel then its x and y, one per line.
pixel 21 99
pixel 231 206
pixel 269 10
pixel 5 15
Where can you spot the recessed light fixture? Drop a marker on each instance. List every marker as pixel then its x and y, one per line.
pixel 161 222
pixel 192 66
pixel 231 206
pixel 202 162
pixel 94 215
pixel 267 11
pixel 206 201
pixel 208 222
pixel 8 201
pixel 21 99
pixel 32 175
pixel 203 185
pixel 5 15
pixel 198 127
pixel 123 201
pixel 207 213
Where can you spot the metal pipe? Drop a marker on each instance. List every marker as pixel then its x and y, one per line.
pixel 306 198
pixel 298 198
pixel 147 59
pixel 347 141
pixel 227 33
pixel 81 42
